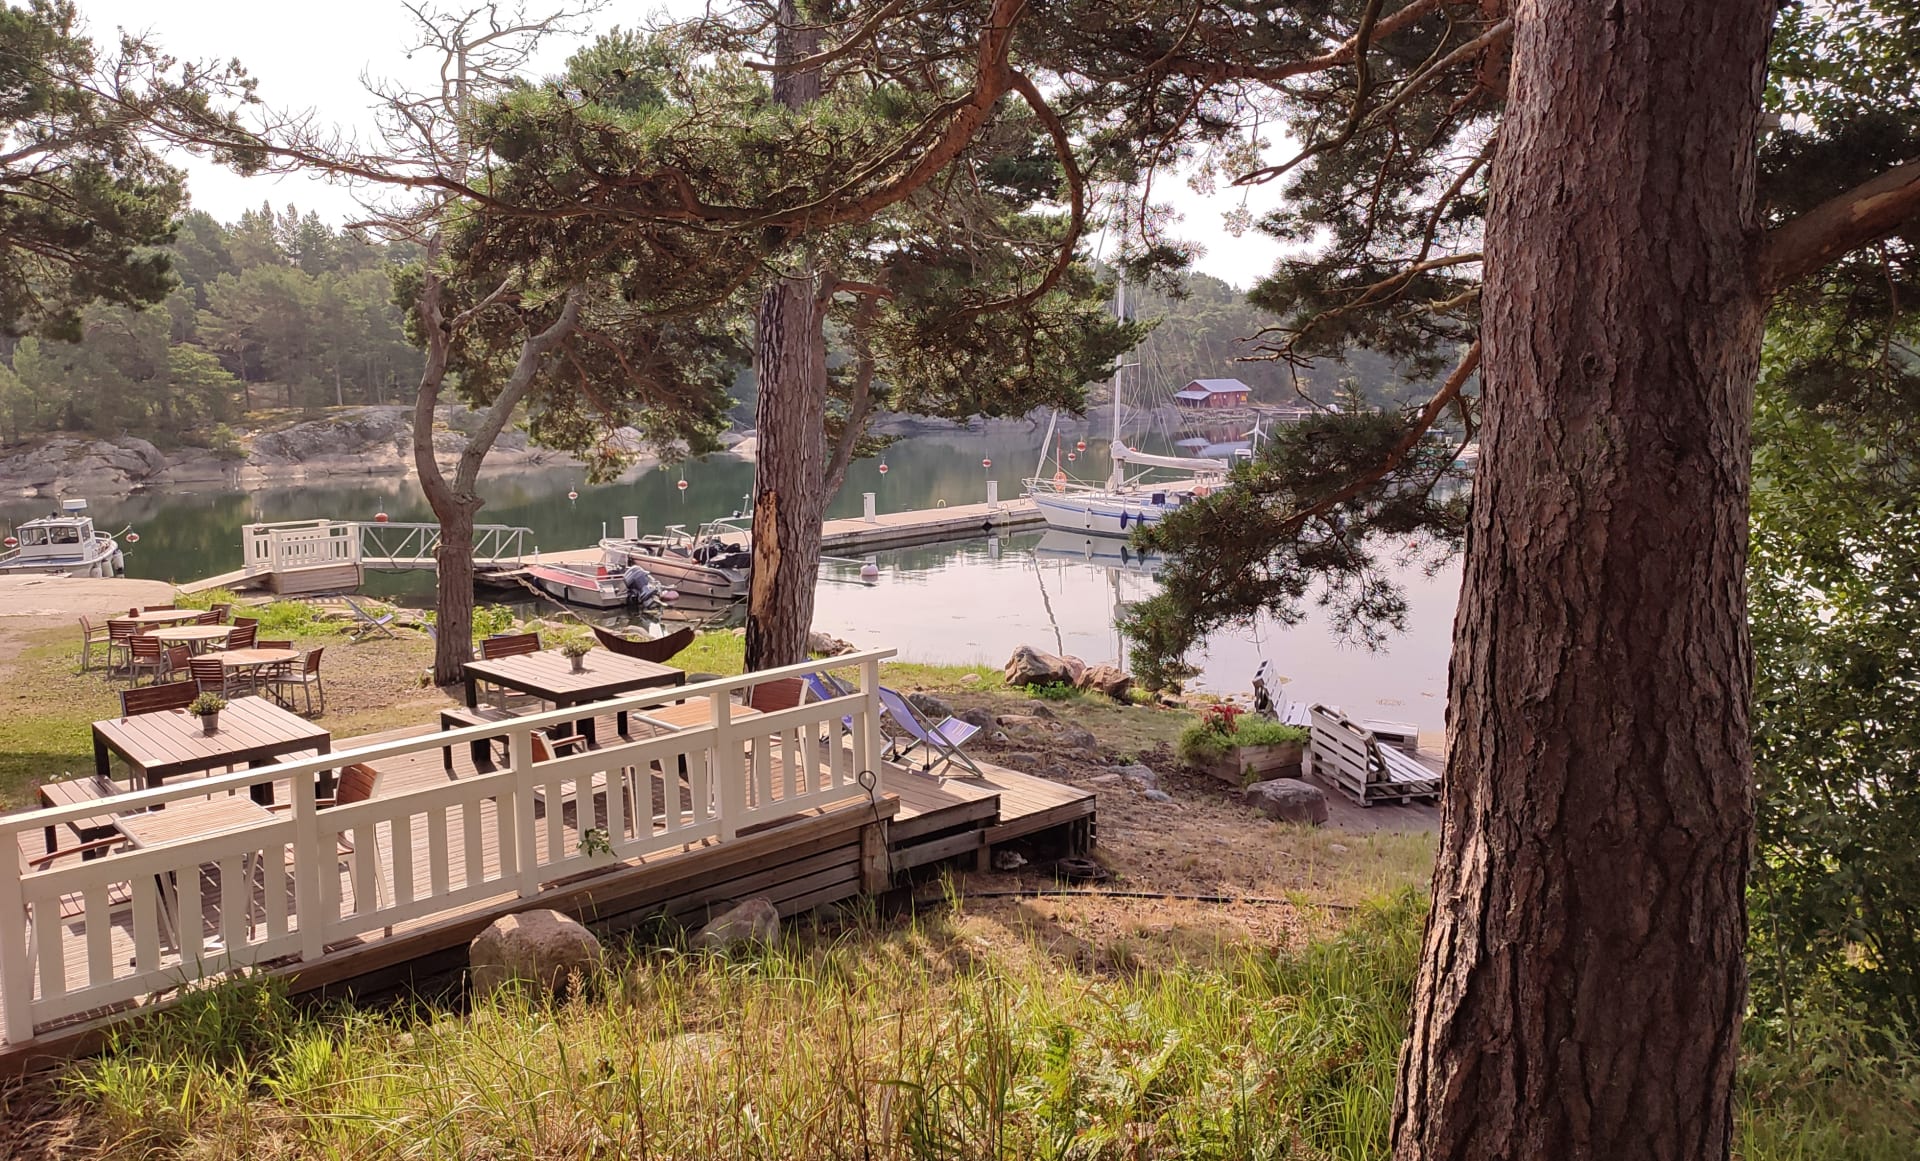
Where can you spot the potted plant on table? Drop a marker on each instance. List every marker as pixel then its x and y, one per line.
pixel 576 649
pixel 208 706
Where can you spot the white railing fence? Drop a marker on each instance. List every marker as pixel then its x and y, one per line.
pixel 82 934
pixel 305 543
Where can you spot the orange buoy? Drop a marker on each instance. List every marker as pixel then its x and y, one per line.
pixel 379 517
pixel 682 485
pixel 1059 481
pixel 883 469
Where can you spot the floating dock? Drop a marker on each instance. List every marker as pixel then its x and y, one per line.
pixel 313 557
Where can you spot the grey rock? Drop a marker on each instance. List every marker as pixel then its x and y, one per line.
pixel 1008 860
pixel 1106 780
pixel 753 921
pixel 1107 679
pixel 1052 733
pixel 1289 800
pixel 826 644
pixel 1140 775
pixel 933 708
pixel 976 717
pixel 541 949
pixel 1040 709
pixel 1020 760
pixel 1030 666
pixel 1157 796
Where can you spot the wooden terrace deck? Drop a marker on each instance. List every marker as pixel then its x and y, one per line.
pixel 816 855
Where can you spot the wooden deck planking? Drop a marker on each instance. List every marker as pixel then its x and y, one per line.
pixel 1002 805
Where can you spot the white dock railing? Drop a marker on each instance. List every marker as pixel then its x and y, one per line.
pixel 292 544
pixel 84 934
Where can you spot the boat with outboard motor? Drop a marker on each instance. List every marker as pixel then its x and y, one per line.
pixel 63 544
pixel 712 562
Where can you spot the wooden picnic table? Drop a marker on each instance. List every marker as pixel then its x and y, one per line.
pixel 75 790
pixel 165 745
pixel 185 820
pixel 549 675
pixel 197 636
pixel 163 616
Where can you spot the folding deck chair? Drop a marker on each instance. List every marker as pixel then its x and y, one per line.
pixel 365 623
pixel 942 742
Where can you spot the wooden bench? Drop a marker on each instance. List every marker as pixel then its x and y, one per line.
pixel 462 717
pixel 72 792
pixel 1351 758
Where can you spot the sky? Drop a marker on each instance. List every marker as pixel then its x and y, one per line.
pixel 313 55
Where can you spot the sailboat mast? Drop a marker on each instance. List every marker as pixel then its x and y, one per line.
pixel 1119 363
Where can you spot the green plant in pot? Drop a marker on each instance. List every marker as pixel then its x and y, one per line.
pixel 576 649
pixel 208 707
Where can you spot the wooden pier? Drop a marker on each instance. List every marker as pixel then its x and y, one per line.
pixel 660 825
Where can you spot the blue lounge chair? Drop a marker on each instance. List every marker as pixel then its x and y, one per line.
pixel 942 742
pixel 365 624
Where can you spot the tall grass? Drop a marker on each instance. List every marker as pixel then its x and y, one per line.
pixel 908 1042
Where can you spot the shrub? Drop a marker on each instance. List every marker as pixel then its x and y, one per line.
pixel 1053 691
pixel 207 703
pixel 1204 743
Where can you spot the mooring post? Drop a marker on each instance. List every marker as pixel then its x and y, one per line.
pixel 993 495
pixel 866 505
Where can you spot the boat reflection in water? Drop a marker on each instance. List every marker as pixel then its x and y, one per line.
pixel 1103 550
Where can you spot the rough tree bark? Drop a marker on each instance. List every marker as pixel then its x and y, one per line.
pixel 790 362
pixel 455 502
pixel 1582 983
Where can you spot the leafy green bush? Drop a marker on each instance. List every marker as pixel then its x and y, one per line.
pixel 1053 691
pixel 1201 744
pixel 279 620
pixel 491 620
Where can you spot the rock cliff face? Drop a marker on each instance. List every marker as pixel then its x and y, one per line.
pixel 359 441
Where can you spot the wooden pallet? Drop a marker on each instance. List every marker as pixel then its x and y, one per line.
pixel 1351 759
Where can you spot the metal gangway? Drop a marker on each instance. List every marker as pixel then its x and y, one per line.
pixel 379 545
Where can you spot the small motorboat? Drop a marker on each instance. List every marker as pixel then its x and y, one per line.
pixel 593 585
pixel 65 544
pixel 712 562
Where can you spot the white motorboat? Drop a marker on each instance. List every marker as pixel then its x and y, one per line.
pixel 710 563
pixel 66 544
pixel 595 586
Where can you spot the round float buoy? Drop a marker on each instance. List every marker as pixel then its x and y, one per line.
pixel 133 538
pixel 11 542
pixel 883 469
pixel 1081 446
pixel 379 517
pixel 986 463
pixel 1070 456
pixel 682 485
pixel 869 571
pixel 1059 481
pixel 572 495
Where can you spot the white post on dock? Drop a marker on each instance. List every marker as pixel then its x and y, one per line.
pixel 630 527
pixel 866 507
pixel 993 495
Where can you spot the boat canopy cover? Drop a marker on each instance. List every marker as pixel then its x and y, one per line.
pixel 1124 454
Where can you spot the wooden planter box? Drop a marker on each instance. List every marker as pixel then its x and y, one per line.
pixel 1245 765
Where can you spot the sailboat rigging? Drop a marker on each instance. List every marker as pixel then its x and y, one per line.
pixel 1123 504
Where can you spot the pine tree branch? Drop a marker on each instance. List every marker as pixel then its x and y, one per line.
pixel 1448 393
pixel 1841 224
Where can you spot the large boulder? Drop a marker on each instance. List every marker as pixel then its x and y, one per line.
pixel 540 949
pixel 1289 800
pixel 1030 666
pixel 826 644
pixel 1108 679
pixel 753 921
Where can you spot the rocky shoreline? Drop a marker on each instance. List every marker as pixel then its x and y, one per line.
pixel 360 441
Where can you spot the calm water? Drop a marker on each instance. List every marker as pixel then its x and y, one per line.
pixel 957 603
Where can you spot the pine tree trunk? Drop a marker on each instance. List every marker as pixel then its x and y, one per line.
pixel 790 362
pixel 789 493
pixel 1582 983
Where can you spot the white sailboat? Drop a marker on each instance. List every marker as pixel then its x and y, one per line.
pixel 1124 503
